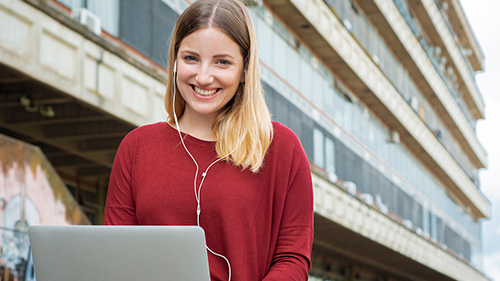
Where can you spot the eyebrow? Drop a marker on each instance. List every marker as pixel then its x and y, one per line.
pixel 224 56
pixel 216 56
pixel 188 52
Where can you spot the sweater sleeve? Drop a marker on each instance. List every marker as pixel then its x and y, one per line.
pixel 291 260
pixel 120 205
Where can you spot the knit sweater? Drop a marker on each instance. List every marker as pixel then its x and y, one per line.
pixel 262 222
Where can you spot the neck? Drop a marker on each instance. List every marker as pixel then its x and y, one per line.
pixel 197 126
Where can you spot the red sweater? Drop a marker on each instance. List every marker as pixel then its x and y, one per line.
pixel 263 223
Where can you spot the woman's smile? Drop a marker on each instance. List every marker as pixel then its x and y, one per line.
pixel 205 93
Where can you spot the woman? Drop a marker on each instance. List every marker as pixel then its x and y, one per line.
pixel 219 142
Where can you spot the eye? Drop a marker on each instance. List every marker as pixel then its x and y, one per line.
pixel 190 58
pixel 224 62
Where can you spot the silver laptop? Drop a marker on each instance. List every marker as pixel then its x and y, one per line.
pixel 119 253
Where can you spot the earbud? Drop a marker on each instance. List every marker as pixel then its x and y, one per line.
pixel 175 67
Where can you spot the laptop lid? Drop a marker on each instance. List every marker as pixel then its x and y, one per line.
pixel 117 253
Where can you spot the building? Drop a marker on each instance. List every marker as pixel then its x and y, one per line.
pixel 380 92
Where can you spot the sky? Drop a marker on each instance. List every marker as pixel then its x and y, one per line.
pixel 484 18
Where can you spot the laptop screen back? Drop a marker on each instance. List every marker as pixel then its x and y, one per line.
pixel 117 253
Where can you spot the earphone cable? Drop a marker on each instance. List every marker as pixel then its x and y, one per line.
pixel 197 193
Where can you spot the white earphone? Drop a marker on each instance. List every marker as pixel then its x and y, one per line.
pixel 197 191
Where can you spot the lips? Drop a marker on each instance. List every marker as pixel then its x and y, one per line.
pixel 205 93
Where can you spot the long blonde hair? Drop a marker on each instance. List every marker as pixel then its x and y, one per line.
pixel 244 122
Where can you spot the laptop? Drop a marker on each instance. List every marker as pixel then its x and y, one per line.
pixel 119 253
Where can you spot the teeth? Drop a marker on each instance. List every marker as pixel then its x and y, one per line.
pixel 204 92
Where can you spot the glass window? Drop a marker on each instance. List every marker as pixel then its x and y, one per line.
pixel 293 68
pixel 347 116
pixel 371 135
pixel 305 53
pixel 324 71
pixel 306 78
pixel 317 90
pixel 356 124
pixel 425 221
pixel 108 12
pixel 171 3
pixel 339 105
pixel 433 226
pixel 265 41
pixel 254 18
pixel 328 98
pixel 280 48
pixel 318 139
pixel 183 5
pixel 72 4
pixel 329 156
pixel 136 24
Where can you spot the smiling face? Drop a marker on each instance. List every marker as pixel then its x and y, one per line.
pixel 209 71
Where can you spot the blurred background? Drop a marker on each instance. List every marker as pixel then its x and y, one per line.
pixel 483 19
pixel 394 102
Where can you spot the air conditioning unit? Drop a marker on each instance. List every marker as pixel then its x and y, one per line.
pixel 394 137
pixel 350 187
pixel 408 224
pixel 449 71
pixel 380 205
pixel 347 25
pixel 419 231
pixel 443 60
pixel 414 103
pixel 438 134
pixel 332 177
pixel 87 18
pixel 367 198
pixel 437 51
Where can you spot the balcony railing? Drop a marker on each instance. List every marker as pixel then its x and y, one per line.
pixel 443 7
pixel 366 35
pixel 439 63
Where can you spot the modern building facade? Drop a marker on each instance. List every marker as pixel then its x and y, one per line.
pixel 380 92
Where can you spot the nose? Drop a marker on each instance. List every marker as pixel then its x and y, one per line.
pixel 204 75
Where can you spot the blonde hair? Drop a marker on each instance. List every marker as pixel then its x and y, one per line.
pixel 244 122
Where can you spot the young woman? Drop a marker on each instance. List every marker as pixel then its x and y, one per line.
pixel 219 162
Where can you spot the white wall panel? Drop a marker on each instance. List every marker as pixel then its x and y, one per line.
pixel 134 95
pixel 15 33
